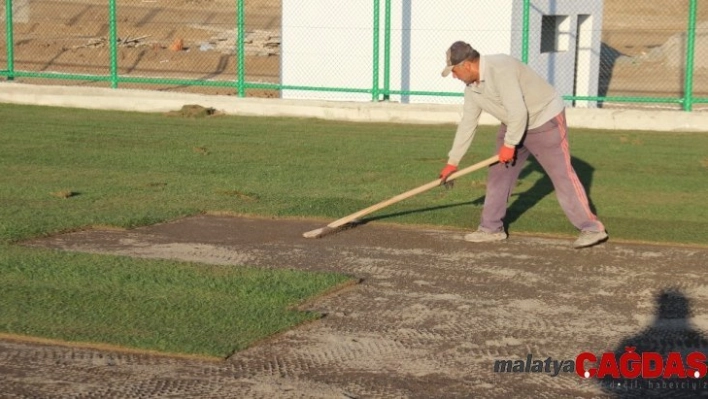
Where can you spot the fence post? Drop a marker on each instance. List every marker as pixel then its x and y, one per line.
pixel 387 51
pixel 241 28
pixel 377 34
pixel 525 33
pixel 113 40
pixel 690 55
pixel 10 40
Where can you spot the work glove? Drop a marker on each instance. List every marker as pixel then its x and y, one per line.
pixel 445 173
pixel 506 154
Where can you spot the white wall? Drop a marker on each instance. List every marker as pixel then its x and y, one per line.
pixel 560 68
pixel 330 43
pixel 423 31
pixel 327 43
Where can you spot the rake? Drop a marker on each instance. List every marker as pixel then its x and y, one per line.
pixel 341 223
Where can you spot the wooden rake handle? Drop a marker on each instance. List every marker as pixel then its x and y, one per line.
pixel 400 197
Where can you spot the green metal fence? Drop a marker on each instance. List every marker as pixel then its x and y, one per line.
pixel 211 45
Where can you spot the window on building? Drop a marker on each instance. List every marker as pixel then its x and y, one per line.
pixel 555 33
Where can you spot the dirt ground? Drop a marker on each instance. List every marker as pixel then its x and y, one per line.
pixel 71 37
pixel 429 319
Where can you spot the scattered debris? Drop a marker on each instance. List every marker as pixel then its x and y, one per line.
pixel 673 52
pixel 122 42
pixel 240 195
pixel 177 45
pixel 132 41
pixel 262 43
pixel 205 47
pixel 193 111
pixel 201 150
pixel 64 194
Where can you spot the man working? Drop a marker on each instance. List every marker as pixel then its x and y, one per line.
pixel 533 122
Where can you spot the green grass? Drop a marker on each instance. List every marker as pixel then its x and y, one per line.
pixel 154 305
pixel 128 169
pixel 64 169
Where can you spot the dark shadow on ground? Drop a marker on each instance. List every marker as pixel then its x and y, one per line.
pixel 671 331
pixel 524 200
pixel 365 220
pixel 543 187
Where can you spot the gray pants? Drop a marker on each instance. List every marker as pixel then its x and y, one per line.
pixel 549 145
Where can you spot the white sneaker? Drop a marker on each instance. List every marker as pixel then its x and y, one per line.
pixel 590 238
pixel 483 236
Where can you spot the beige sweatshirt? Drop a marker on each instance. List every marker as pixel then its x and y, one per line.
pixel 510 91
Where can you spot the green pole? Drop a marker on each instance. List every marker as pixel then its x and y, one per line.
pixel 113 39
pixel 525 33
pixel 690 55
pixel 377 33
pixel 10 40
pixel 241 48
pixel 387 51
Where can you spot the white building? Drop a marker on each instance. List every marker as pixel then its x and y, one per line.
pixel 330 43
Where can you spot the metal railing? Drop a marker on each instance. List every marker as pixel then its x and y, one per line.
pixel 240 81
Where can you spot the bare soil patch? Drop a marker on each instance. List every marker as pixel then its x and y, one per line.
pixel 431 316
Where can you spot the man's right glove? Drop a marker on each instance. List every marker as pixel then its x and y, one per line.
pixel 446 172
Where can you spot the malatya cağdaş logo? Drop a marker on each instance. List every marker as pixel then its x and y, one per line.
pixel 629 365
pixel 647 365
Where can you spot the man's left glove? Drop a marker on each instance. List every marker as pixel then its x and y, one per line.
pixel 506 154
pixel 445 173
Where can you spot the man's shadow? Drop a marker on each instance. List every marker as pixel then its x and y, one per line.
pixel 524 200
pixel 543 187
pixel 671 331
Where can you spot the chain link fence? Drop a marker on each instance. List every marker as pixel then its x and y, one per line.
pixel 646 47
pixel 611 53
